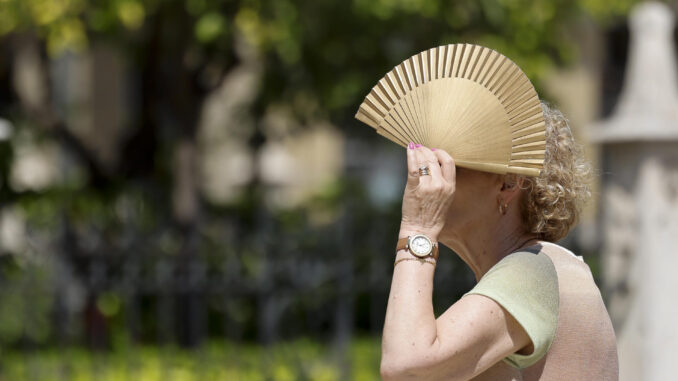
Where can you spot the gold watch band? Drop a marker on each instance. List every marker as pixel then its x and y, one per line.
pixel 402 244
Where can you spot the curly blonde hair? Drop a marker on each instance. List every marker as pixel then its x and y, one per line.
pixel 552 201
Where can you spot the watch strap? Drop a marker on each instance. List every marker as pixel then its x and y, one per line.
pixel 402 244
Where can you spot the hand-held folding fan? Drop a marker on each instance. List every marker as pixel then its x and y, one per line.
pixel 466 99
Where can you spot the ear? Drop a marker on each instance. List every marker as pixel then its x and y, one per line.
pixel 511 187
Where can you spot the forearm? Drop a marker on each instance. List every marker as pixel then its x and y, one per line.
pixel 410 324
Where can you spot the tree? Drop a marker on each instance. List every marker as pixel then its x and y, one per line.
pixel 317 58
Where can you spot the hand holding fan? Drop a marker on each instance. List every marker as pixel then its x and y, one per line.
pixel 469 100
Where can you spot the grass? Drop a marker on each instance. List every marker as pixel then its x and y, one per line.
pixel 301 359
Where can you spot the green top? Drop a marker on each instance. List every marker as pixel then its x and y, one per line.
pixel 526 285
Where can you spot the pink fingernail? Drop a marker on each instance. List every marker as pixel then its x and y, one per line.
pixel 418 145
pixel 433 149
pixel 411 145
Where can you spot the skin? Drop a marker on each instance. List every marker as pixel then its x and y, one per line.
pixel 460 209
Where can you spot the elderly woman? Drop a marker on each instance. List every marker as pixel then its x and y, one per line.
pixel 535 312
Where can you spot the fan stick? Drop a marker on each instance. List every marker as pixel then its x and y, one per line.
pixel 467 99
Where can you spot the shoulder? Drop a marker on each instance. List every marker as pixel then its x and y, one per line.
pixel 525 284
pixel 537 263
pixel 523 272
pixel 550 248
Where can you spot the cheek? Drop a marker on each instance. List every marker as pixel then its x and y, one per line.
pixel 463 203
pixel 471 201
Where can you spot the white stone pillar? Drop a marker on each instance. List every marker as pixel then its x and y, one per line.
pixel 640 201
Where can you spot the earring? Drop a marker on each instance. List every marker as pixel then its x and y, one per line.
pixel 503 208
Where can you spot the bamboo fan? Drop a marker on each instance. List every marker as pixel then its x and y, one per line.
pixel 466 99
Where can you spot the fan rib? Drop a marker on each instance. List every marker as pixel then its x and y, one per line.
pixel 476 59
pixel 412 72
pixel 379 98
pixel 391 123
pixel 509 85
pixel 520 98
pixel 468 61
pixel 431 64
pixel 386 90
pixel 518 90
pixel 528 112
pixel 491 68
pixel 424 62
pixel 487 167
pixel 405 116
pixel 539 154
pixel 397 121
pixel 528 147
pixel 446 61
pixel 365 118
pixel 376 105
pixel 532 103
pixel 416 105
pixel 459 61
pixel 408 78
pixel 371 111
pixel 535 172
pixel 528 130
pixel 501 81
pixel 387 125
pixel 529 163
pixel 440 64
pixel 390 137
pixel 420 69
pixel 423 66
pixel 396 72
pixel 498 72
pixel 486 55
pixel 529 138
pixel 416 130
pixel 466 58
pixel 404 81
pixel 403 73
pixel 534 120
pixel 452 53
pixel 388 96
pixel 393 88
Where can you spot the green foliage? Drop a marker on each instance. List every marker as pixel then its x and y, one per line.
pixel 317 58
pixel 209 27
pixel 296 360
pixel 57 21
pixel 333 49
pixel 25 302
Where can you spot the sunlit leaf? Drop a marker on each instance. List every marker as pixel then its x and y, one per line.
pixel 131 14
pixel 209 27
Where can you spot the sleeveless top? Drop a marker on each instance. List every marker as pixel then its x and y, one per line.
pixel 525 284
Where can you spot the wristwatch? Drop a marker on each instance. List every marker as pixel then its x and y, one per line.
pixel 419 245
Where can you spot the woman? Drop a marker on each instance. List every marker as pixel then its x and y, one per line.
pixel 535 313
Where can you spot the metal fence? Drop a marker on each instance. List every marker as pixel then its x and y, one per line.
pixel 271 279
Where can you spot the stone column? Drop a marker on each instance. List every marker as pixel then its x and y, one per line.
pixel 639 145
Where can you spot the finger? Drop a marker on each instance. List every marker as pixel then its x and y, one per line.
pixel 447 165
pixel 426 157
pixel 412 168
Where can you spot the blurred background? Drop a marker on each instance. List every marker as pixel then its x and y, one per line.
pixel 185 194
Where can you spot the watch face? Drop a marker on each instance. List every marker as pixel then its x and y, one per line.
pixel 421 245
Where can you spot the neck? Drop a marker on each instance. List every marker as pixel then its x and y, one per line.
pixel 483 245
